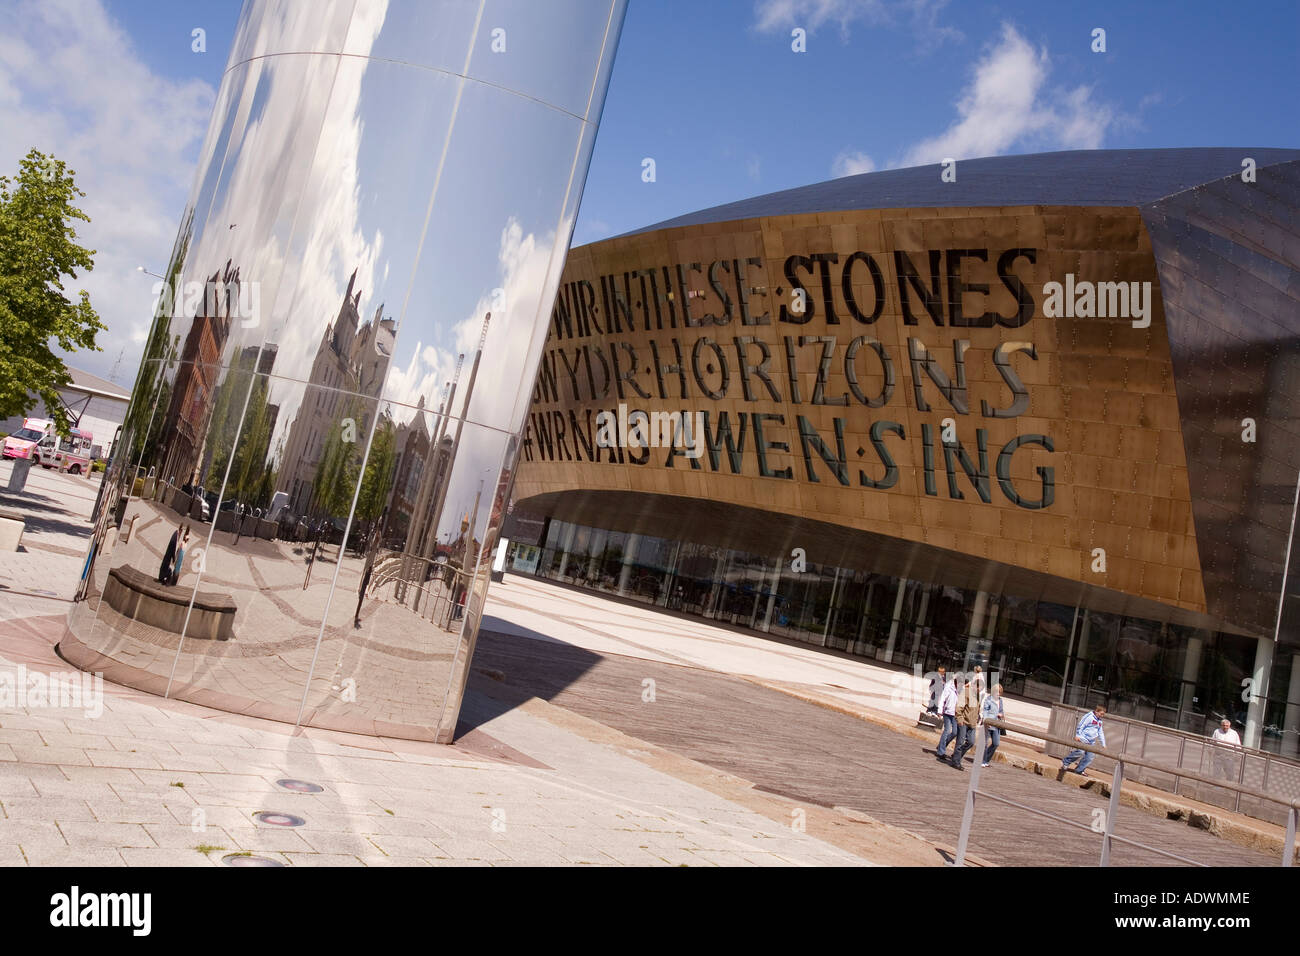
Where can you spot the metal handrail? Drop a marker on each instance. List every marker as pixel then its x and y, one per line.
pixel 1148 727
pixel 1117 783
pixel 1242 755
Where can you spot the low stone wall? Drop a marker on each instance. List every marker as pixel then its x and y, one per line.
pixel 135 595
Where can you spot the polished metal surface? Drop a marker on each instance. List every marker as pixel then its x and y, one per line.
pixel 340 364
pixel 1228 254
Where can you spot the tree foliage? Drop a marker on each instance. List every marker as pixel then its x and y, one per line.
pixel 340 466
pixel 331 491
pixel 38 249
pixel 379 472
pixel 151 397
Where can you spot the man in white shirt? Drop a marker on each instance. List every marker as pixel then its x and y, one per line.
pixel 947 710
pixel 1224 759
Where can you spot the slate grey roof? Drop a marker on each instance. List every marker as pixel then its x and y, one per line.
pixel 81 379
pixel 1081 177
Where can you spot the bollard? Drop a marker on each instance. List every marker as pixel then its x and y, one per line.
pixel 18 477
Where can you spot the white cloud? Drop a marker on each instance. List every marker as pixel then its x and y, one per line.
pixel 920 16
pixel 851 163
pixel 754 168
pixel 526 266
pixel 1008 104
pixel 72 84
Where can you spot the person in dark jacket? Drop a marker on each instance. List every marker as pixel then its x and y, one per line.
pixel 181 545
pixel 968 718
pixel 165 569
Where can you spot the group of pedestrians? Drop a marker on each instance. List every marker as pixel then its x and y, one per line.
pixel 962 711
pixel 964 708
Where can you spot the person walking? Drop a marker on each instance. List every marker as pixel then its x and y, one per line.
pixel 991 709
pixel 1089 732
pixel 1228 740
pixel 948 711
pixel 169 558
pixel 968 718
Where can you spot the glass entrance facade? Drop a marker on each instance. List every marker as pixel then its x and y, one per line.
pixel 1155 671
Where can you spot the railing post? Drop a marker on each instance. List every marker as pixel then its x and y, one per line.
pixel 968 812
pixel 1116 782
pixel 1288 848
pixel 1241 779
pixel 1182 749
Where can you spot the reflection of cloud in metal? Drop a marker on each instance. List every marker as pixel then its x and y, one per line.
pixel 303 273
pixel 528 269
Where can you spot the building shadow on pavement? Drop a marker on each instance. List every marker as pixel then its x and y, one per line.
pixel 509 668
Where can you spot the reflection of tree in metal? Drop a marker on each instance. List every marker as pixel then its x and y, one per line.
pixel 251 482
pixel 326 174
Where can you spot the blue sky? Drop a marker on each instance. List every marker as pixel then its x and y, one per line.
pixel 710 90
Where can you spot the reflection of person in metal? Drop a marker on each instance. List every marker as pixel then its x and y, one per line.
pixel 169 558
pixel 458 602
pixel 180 556
pixel 361 593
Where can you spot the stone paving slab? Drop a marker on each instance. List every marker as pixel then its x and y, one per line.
pixel 116 806
pixel 818 757
pixel 562 762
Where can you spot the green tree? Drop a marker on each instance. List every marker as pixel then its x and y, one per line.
pixel 379 473
pixel 151 397
pixel 37 249
pixel 251 457
pixel 332 489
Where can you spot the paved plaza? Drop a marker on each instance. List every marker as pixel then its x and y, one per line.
pixel 594 731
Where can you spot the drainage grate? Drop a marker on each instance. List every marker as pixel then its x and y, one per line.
pixel 239 859
pixel 272 818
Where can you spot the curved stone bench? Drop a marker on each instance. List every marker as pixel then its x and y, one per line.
pixel 140 597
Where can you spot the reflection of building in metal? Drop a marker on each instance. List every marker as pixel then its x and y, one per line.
pixel 315 163
pixel 192 396
pixel 422 546
pixel 349 367
pixel 241 408
pixel 412 452
pixel 414 446
pixel 1046 424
